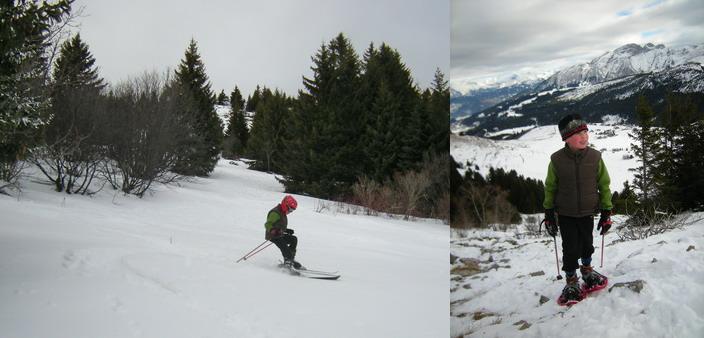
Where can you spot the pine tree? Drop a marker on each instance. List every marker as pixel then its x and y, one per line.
pixel 327 146
pixel 253 100
pixel 26 27
pixel 439 108
pixel 386 75
pixel 71 156
pixel 222 98
pixel 625 201
pixel 237 131
pixel 646 150
pixel 382 142
pixel 201 151
pixel 269 130
pixel 683 178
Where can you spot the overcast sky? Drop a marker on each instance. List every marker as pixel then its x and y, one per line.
pixel 494 37
pixel 265 42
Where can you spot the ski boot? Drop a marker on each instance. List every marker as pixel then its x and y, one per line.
pixel 290 263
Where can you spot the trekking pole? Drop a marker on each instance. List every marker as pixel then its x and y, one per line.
pixel 557 262
pixel 602 252
pixel 255 251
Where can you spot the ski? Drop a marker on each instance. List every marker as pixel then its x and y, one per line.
pixel 308 274
pixel 315 274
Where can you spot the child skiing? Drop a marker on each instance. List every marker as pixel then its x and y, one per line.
pixel 277 230
pixel 576 188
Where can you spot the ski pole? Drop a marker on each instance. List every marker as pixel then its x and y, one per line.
pixel 557 262
pixel 602 252
pixel 255 251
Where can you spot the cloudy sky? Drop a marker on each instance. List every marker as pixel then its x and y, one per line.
pixel 494 38
pixel 266 42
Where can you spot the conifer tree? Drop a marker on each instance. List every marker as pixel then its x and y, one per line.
pixel 386 75
pixel 646 148
pixel 328 145
pixel 25 28
pixel 201 151
pixel 269 130
pixel 624 201
pixel 253 100
pixel 237 131
pixel 382 146
pixel 72 153
pixel 222 98
pixel 684 180
pixel 439 109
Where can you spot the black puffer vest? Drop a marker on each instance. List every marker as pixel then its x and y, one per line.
pixel 577 192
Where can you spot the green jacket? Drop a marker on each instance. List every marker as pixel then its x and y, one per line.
pixel 276 218
pixel 577 183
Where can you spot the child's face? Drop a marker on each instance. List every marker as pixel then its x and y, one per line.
pixel 579 140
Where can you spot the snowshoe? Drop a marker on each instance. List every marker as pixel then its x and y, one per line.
pixel 572 293
pixel 593 280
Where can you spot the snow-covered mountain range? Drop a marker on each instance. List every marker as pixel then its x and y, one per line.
pixel 627 60
pixel 608 85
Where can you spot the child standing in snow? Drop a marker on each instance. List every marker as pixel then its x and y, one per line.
pixel 577 188
pixel 277 230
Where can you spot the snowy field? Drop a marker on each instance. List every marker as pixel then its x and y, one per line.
pixel 504 284
pixel 164 266
pixel 530 154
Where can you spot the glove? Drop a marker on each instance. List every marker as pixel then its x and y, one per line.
pixel 289 231
pixel 604 222
pixel 550 223
pixel 275 232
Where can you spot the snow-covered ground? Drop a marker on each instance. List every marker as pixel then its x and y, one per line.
pixel 530 154
pixel 164 266
pixel 504 284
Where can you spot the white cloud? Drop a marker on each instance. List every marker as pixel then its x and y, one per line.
pixel 500 36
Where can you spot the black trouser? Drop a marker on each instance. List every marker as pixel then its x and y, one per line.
pixel 287 244
pixel 577 240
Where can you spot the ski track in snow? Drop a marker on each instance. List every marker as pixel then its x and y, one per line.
pixel 504 297
pixel 164 266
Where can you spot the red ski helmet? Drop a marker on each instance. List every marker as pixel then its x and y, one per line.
pixel 289 203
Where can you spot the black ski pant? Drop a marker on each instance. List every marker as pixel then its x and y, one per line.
pixel 577 240
pixel 287 244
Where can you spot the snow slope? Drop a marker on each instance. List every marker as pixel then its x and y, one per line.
pixel 164 266
pixel 530 154
pixel 501 297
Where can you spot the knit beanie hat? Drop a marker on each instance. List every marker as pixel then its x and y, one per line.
pixel 570 125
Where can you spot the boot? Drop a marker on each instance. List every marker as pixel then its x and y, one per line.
pixel 571 292
pixel 292 263
pixel 590 277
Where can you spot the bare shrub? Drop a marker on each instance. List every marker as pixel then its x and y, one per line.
pixel 410 187
pixel 648 222
pixel 367 193
pixel 142 144
pixel 321 205
pixel 10 172
pixel 442 210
